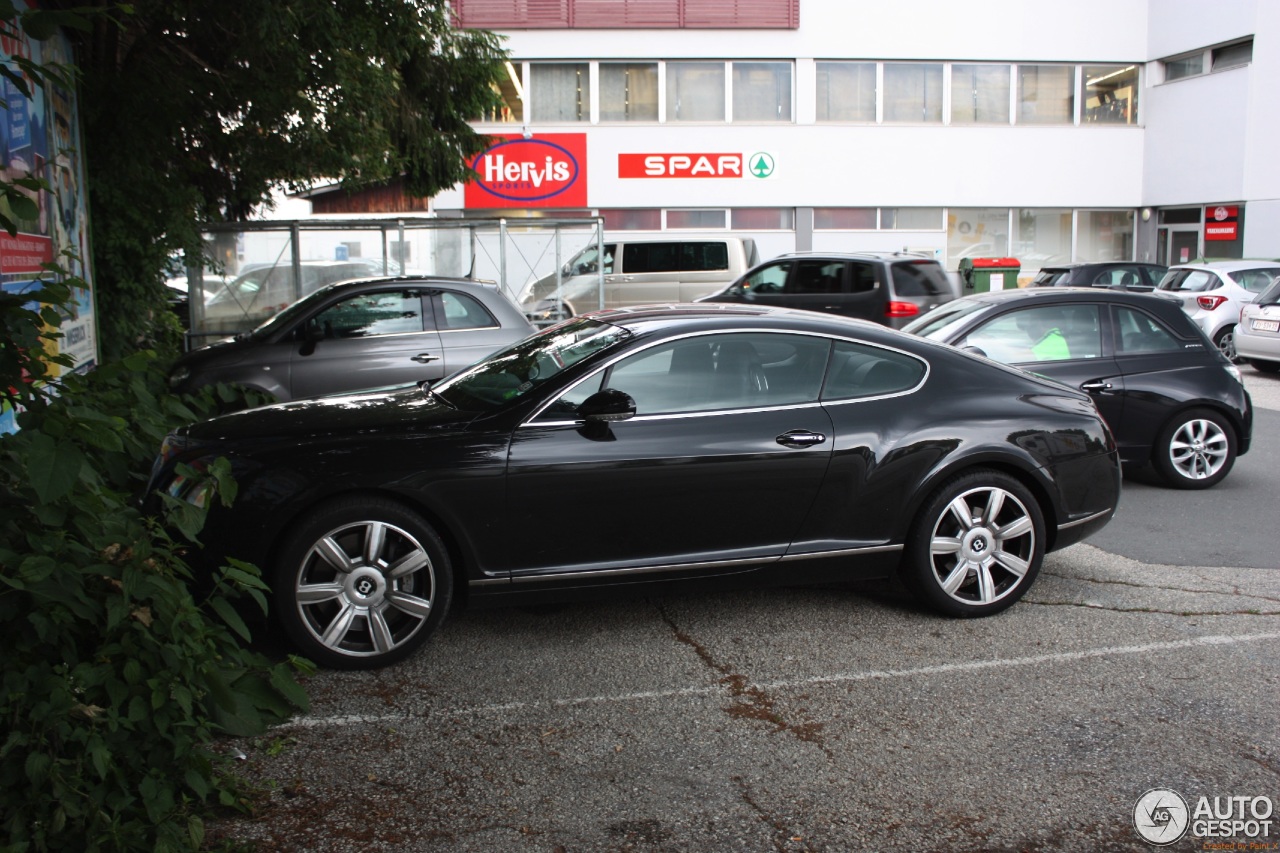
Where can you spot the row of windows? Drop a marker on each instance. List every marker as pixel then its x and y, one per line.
pixel 1036 236
pixel 845 91
pixel 1208 60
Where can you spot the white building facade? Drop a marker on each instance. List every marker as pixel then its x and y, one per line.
pixel 1039 129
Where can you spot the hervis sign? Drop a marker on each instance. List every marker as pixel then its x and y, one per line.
pixel 542 171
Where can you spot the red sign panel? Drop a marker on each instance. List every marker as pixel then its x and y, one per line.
pixel 1221 222
pixel 543 171
pixel 680 165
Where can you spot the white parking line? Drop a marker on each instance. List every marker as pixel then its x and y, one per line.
pixel 842 678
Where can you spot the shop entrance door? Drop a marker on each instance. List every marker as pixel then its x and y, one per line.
pixel 1178 244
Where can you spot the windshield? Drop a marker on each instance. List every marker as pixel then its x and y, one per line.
pixel 1189 280
pixel 938 323
pixel 512 373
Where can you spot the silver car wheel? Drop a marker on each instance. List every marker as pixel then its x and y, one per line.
pixel 365 588
pixel 982 545
pixel 1198 449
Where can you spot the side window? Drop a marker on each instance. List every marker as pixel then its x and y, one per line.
pixel 1255 281
pixel 770 279
pixel 858 370
pixel 1137 332
pixel 862 277
pixel 370 314
pixel 720 372
pixel 1121 276
pixel 460 311
pixel 674 257
pixel 1043 333
pixel 814 276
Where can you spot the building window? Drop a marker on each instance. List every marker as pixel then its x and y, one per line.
pixel 844 218
pixel 1104 235
pixel 559 91
pixel 1110 94
pixel 1042 236
pixel 981 232
pixel 913 92
pixel 1184 66
pixel 846 91
pixel 684 219
pixel 1046 94
pixel 628 91
pixel 911 219
pixel 695 91
pixel 1233 55
pixel 762 91
pixel 980 94
pixel 639 219
pixel 763 218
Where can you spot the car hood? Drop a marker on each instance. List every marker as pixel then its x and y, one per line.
pixel 410 409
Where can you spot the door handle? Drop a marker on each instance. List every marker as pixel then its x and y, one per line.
pixel 424 358
pixel 1096 385
pixel 800 438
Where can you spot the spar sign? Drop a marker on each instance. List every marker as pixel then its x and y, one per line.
pixel 541 171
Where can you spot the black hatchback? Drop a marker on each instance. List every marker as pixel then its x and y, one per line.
pixel 1124 275
pixel 1171 398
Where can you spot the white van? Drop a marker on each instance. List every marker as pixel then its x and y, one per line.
pixel 638 271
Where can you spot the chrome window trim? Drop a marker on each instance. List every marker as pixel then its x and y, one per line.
pixel 532 420
pixel 469 329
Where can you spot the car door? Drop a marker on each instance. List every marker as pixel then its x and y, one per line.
pixel 1063 341
pixel 468 330
pixel 368 340
pixel 714 474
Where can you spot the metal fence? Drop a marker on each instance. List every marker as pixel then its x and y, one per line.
pixel 249 271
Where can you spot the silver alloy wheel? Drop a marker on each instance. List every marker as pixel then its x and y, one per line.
pixel 365 588
pixel 1198 449
pixel 1227 344
pixel 982 545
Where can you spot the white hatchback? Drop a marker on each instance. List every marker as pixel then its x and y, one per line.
pixel 1258 334
pixel 1214 293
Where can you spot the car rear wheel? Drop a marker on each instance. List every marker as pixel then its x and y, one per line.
pixel 1195 450
pixel 1265 366
pixel 976 546
pixel 362 583
pixel 1225 341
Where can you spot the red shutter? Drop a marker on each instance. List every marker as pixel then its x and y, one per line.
pixel 741 14
pixel 513 14
pixel 626 14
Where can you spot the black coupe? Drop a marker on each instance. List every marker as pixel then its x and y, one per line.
pixel 627 449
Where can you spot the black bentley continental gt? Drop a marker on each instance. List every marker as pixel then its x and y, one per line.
pixel 627 450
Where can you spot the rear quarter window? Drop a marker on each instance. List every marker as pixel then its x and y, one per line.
pixel 675 256
pixel 919 278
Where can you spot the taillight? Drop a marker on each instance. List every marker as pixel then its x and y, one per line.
pixel 1208 303
pixel 901 309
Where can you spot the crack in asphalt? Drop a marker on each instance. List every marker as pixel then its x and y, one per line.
pixel 1116 609
pixel 1135 585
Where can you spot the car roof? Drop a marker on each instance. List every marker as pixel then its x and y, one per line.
pixel 1065 294
pixel 1229 266
pixel 712 315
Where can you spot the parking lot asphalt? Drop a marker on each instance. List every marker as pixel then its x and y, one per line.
pixel 838 718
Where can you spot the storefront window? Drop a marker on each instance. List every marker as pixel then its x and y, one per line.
pixel 559 91
pixel 695 91
pixel 911 218
pixel 981 232
pixel 980 94
pixel 1043 236
pixel 1111 94
pixel 763 218
pixel 846 91
pixel 628 91
pixel 1046 94
pixel 684 219
pixel 639 219
pixel 762 91
pixel 1104 235
pixel 913 92
pixel 844 218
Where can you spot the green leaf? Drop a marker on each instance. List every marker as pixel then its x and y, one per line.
pixel 54 466
pixel 229 615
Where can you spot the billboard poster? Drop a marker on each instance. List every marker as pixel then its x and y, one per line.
pixel 40 136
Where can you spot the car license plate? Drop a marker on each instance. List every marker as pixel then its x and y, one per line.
pixel 1266 325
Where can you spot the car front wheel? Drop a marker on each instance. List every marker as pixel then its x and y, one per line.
pixel 1195 450
pixel 976 546
pixel 362 583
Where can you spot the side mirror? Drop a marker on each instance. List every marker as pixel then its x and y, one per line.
pixel 975 350
pixel 311 333
pixel 607 406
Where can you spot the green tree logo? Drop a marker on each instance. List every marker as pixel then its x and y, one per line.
pixel 760 164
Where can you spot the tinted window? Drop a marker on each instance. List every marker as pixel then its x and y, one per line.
pixel 1043 333
pixel 919 278
pixel 1137 332
pixel 461 311
pixel 674 257
pixel 1049 278
pixel 370 314
pixel 863 371
pixel 1189 280
pixel 814 276
pixel 862 277
pixel 1122 276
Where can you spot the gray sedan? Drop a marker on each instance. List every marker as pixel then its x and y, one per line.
pixel 361 334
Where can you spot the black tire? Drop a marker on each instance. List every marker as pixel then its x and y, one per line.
pixel 392 591
pixel 1265 366
pixel 1195 450
pixel 1225 341
pixel 981 563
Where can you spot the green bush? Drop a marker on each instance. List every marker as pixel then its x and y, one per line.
pixel 115 678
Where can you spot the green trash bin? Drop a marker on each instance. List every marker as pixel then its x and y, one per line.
pixel 982 275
